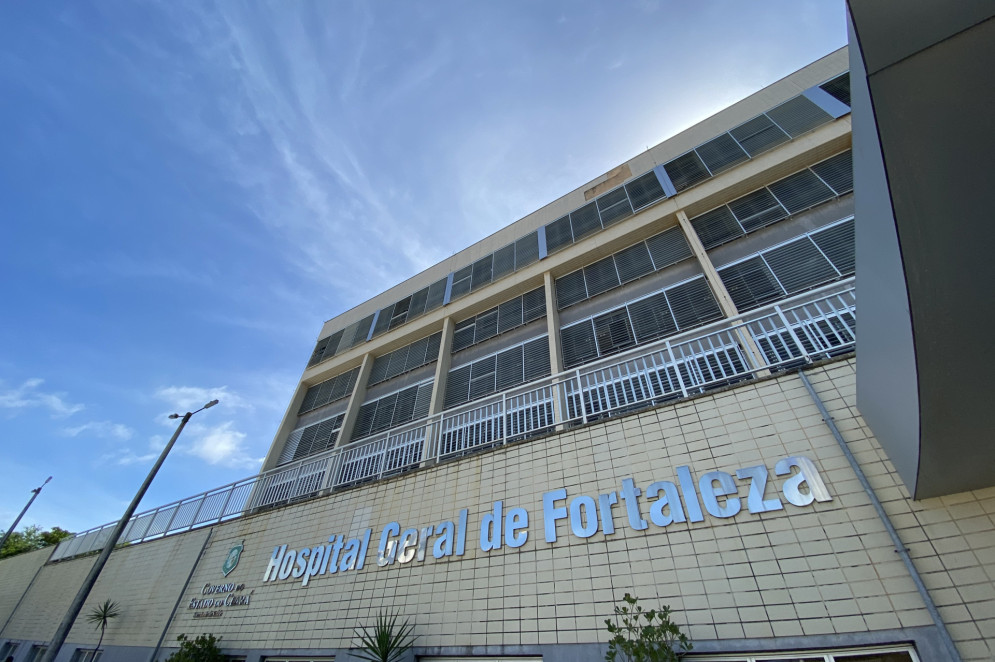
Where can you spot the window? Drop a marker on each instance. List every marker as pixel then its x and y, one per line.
pixel 329 391
pixel 407 358
pixel 510 367
pixel 509 315
pixel 86 655
pixel 890 654
pixel 677 308
pixel 8 648
pixel 408 404
pixel 312 439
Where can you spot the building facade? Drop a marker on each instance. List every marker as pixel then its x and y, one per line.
pixel 647 387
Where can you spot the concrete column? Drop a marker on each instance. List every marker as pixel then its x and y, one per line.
pixel 355 401
pixel 718 288
pixel 553 325
pixel 445 360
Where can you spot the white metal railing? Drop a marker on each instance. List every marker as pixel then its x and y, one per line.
pixel 815 325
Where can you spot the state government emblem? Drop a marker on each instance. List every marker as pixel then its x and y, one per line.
pixel 232 560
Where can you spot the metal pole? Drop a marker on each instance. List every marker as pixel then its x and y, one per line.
pixel 34 493
pixel 77 604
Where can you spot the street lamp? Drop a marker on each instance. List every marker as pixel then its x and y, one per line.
pixel 91 579
pixel 34 493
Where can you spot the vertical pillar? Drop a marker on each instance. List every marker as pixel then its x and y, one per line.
pixel 442 368
pixel 718 288
pixel 552 325
pixel 355 401
pixel 555 350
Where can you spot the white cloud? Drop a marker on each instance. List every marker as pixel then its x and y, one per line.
pixel 102 430
pixel 222 445
pixel 27 396
pixel 189 398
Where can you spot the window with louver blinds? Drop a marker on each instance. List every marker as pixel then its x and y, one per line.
pixel 461 283
pixel 808 261
pixel 686 170
pixel 839 87
pixel 312 439
pixel 504 261
pixel 798 115
pixel 527 250
pixel 492 374
pixel 677 308
pixel 328 391
pixel 559 235
pixel 637 260
pixel 721 153
pixel 585 221
pixel 391 410
pixel 642 191
pixel 509 315
pixel 794 193
pixel 758 135
pixel 614 206
pixel 405 359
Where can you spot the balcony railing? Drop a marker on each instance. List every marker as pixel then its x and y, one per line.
pixel 816 325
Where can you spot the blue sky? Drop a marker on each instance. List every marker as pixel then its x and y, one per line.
pixel 188 190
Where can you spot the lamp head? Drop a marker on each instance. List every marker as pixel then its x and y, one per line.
pixel 174 415
pixel 210 404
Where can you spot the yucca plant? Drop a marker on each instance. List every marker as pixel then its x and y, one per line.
pixel 386 641
pixel 101 615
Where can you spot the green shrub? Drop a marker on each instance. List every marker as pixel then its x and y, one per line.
pixel 644 636
pixel 202 649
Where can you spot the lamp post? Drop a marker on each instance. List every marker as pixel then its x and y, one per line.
pixel 34 493
pixel 91 579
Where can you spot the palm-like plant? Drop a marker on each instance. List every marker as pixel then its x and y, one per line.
pixel 101 615
pixel 387 641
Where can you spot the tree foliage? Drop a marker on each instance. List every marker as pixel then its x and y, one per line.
pixel 386 641
pixel 202 649
pixel 644 636
pixel 31 538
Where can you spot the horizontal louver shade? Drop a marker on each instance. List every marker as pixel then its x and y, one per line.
pixel 685 171
pixel 716 227
pixel 757 209
pixel 510 368
pixel 721 153
pixel 801 191
pixel 577 343
pixel 527 250
pixel 601 276
pixel 405 406
pixel 613 332
pixel 642 191
pixel 422 401
pixel 798 115
pixel 750 283
pixel 486 325
pixel 457 387
pixel 482 271
pixel 383 320
pixel 400 313
pixel 418 300
pixel 758 135
pixel 436 294
pixel 693 304
pixel 504 261
pixel 570 289
pixel 839 87
pixel 461 283
pixel 510 314
pixel 364 420
pixel 584 221
pixel 406 358
pixel 558 235
pixel 536 358
pixel 799 265
pixel 533 305
pixel 668 247
pixel 398 359
pixel 312 439
pixel 482 377
pixel 385 412
pixel 329 391
pixel 613 207
pixel 837 172
pixel 633 262
pixel 651 318
pixel 837 243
